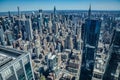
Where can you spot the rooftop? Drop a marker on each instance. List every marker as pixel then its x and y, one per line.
pixel 74 61
pixel 118 29
pixel 89 46
pixel 7 55
pixel 4 59
pixel 53 56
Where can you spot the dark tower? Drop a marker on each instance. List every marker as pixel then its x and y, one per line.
pixel 18 11
pixel 91 30
pixel 54 14
pixel 112 71
pixel 54 10
pixel 40 11
pixel 40 21
pixel 9 14
pixel 19 28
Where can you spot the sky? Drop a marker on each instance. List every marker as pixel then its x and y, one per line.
pixel 11 5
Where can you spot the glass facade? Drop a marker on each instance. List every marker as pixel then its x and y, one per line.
pixel 21 74
pixel 9 74
pixel 28 68
pixel 28 71
pixel 112 68
pixel 92 30
pixel 20 70
pixel 0 77
pixel 90 36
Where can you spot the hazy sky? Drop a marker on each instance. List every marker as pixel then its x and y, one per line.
pixel 11 5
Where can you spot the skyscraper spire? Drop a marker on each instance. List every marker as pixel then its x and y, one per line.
pixel 54 14
pixel 18 11
pixel 89 12
pixel 54 10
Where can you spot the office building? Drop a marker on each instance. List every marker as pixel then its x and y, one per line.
pixel 37 47
pixel 40 21
pixel 69 42
pixel 15 65
pixel 19 27
pixel 29 30
pixel 54 12
pixel 50 26
pixel 2 36
pixel 90 43
pixel 52 61
pixel 73 65
pixel 99 65
pixel 9 36
pixel 112 71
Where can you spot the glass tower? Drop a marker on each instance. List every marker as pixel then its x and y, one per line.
pixel 90 36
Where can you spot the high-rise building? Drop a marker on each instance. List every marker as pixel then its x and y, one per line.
pixel 15 65
pixel 50 26
pixel 9 15
pixel 37 47
pixel 2 36
pixel 59 46
pixel 112 71
pixel 100 60
pixel 40 21
pixel 29 29
pixel 19 27
pixel 56 28
pixel 74 63
pixel 90 43
pixel 9 37
pixel 18 11
pixel 55 17
pixel 52 61
pixel 69 42
pixel 89 12
pixel 54 11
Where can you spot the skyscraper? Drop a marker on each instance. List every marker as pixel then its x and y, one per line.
pixel 18 11
pixel 50 26
pixel 113 64
pixel 54 11
pixel 9 37
pixel 29 29
pixel 89 12
pixel 55 15
pixel 90 43
pixel 9 15
pixel 40 21
pixel 19 28
pixel 37 47
pixel 2 36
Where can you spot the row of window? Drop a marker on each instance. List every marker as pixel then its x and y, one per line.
pixel 18 69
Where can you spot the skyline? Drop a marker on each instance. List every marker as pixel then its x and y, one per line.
pixel 26 5
pixel 59 40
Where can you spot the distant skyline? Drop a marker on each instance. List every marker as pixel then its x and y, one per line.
pixel 25 5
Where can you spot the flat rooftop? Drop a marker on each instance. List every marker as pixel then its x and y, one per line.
pixel 89 46
pixel 8 54
pixel 4 59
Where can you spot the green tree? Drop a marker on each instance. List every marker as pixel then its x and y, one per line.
pixel 42 77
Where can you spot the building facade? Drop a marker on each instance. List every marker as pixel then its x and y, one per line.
pixel 90 37
pixel 15 65
pixel 112 71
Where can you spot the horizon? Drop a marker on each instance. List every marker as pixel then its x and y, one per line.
pixel 61 10
pixel 25 5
